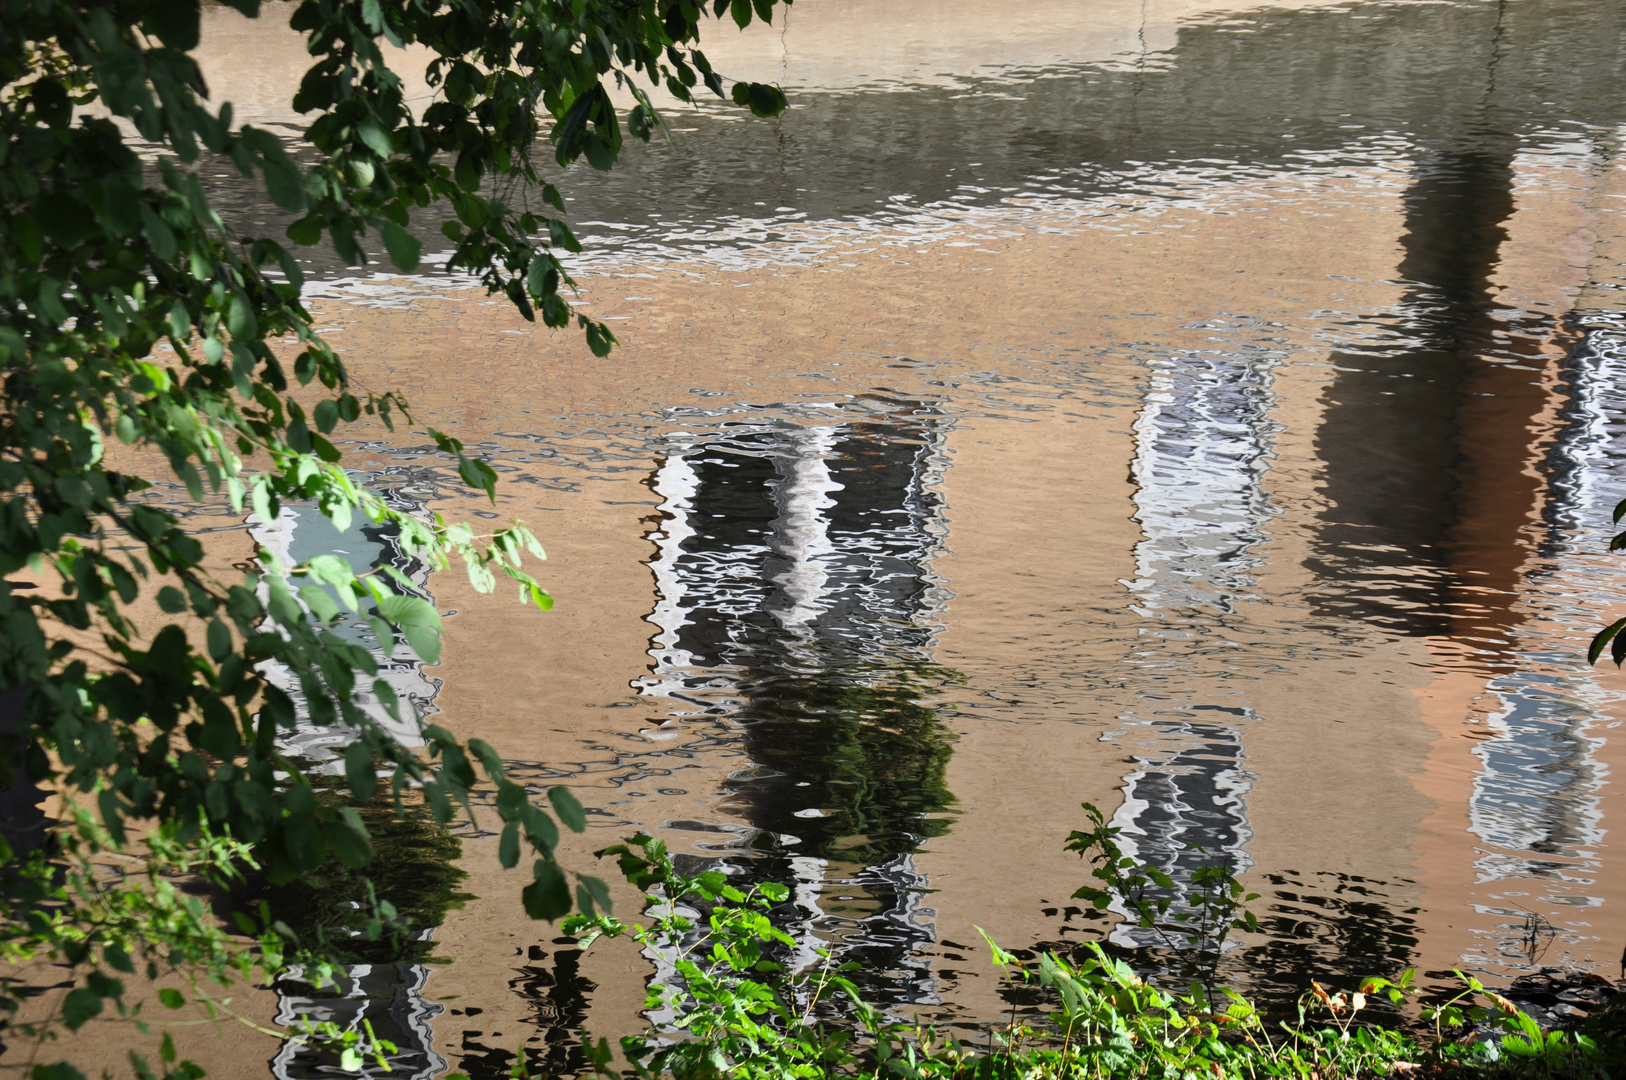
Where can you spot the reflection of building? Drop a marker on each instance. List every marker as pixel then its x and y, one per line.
pixel 1534 807
pixel 303 533
pixel 388 996
pixel 1202 445
pixel 796 599
pixel 1185 807
pixel 1203 441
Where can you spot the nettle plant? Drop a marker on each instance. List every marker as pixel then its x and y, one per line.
pixel 131 314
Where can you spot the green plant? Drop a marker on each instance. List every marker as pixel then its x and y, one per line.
pixel 728 1005
pixel 724 1002
pixel 1215 905
pixel 144 343
pixel 732 1006
pixel 1464 1036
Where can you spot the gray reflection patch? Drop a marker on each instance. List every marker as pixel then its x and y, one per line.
pixel 301 533
pixel 1203 441
pixel 1185 807
pixel 389 997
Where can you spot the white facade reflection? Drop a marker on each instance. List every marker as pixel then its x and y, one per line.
pixel 796 560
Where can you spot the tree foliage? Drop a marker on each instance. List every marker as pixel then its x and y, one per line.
pixel 144 342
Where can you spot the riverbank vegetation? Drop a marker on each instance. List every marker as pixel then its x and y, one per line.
pixel 731 1006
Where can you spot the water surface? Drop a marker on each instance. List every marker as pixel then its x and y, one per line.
pixel 1207 411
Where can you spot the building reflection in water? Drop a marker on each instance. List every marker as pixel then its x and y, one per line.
pixel 796 605
pixel 388 996
pixel 1534 806
pixel 1204 439
pixel 301 533
pixel 1185 808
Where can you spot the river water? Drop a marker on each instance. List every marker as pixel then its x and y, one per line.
pixel 1209 410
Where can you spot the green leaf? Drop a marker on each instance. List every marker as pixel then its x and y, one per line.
pixel 158 235
pixel 321 602
pixel 307 230
pixel 425 641
pixel 79 1006
pixel 219 640
pixel 327 416
pixel 285 184
pixel 548 896
pixel 240 319
pixel 376 138
pixel 541 829
pixel 599 891
pixel 477 474
pixel 1602 639
pixel 171 600
pixel 385 636
pixel 175 23
pixel 348 839
pixel 359 771
pixel 403 247
pixel 171 998
pixel 508 846
pixel 569 810
pixel 118 959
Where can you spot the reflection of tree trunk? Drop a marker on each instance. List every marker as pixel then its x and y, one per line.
pixel 1428 447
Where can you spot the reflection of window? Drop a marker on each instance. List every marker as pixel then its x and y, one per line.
pixel 387 996
pixel 795 597
pixel 301 533
pixel 779 536
pixel 1202 444
pixel 1187 793
pixel 1534 804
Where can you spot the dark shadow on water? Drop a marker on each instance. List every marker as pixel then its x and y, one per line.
pixel 556 995
pixel 1335 929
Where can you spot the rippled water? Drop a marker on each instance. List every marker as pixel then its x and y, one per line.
pixel 1209 411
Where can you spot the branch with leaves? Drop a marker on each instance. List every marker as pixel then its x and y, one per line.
pixel 129 311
